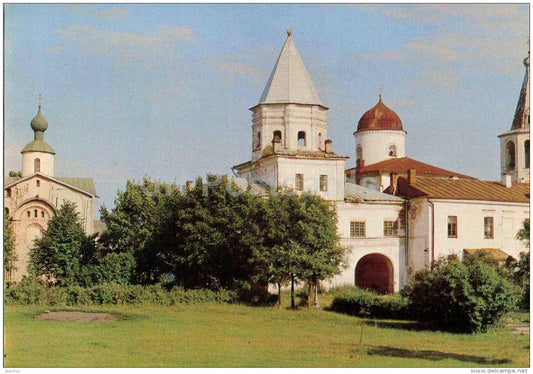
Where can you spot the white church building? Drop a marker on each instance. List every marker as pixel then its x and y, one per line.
pixel 393 221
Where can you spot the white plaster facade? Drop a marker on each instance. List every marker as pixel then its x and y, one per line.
pixel 33 162
pixel 427 224
pixel 376 145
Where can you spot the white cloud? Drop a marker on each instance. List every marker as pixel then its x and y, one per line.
pixel 127 48
pixel 97 12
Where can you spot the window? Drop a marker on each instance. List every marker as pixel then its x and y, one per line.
pixel 6 210
pixel 510 156
pixel 8 192
pixel 301 138
pixel 390 228
pixel 359 152
pixel 526 152
pixel 299 182
pixel 323 183
pixel 357 229
pixel 28 214
pixel 36 165
pixel 489 228
pixel 38 183
pixel 278 134
pixel 42 214
pixel 319 140
pixel 452 227
pixel 392 151
pixel 35 213
pixel 257 141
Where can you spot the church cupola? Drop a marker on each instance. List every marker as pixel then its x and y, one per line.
pixel 37 155
pixel 379 136
pixel 289 108
pixel 514 144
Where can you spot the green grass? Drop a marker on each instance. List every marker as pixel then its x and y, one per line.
pixel 219 335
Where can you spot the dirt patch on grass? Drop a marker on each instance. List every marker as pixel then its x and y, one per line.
pixel 66 316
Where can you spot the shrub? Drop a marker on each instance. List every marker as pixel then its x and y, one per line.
pixel 27 291
pixel 363 303
pixel 459 296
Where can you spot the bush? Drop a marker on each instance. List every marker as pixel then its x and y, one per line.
pixel 363 303
pixel 27 291
pixel 459 296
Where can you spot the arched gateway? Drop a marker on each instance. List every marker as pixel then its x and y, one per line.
pixel 375 272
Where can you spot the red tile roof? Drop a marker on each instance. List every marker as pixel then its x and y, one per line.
pixel 402 164
pixel 462 189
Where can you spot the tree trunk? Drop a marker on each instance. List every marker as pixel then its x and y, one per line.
pixel 315 301
pixel 309 294
pixel 293 305
pixel 279 295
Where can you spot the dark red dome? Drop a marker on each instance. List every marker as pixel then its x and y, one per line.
pixel 380 117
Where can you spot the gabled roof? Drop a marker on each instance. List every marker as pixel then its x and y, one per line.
pixel 289 81
pixel 355 192
pixel 83 184
pixel 402 164
pixel 462 189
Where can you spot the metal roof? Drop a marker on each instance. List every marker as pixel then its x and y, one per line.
pixel 356 192
pixel 38 146
pixel 84 184
pixel 289 81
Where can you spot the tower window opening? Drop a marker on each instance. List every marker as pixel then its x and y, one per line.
pixel 278 134
pixel 37 165
pixel 359 152
pixel 8 192
pixel 35 213
pixel 257 141
pixel 42 214
pixel 393 151
pixel 510 156
pixel 301 138
pixel 28 214
pixel 320 140
pixel 38 183
pixel 526 153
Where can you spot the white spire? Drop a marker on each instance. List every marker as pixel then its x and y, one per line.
pixel 289 81
pixel 521 117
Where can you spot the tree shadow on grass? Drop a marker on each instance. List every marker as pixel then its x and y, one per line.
pixel 432 355
pixel 411 326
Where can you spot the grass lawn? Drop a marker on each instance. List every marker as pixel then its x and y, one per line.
pixel 212 335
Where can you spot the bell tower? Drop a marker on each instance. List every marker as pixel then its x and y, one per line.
pixel 37 155
pixel 514 144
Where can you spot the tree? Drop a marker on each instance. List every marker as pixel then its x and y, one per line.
pixel 63 249
pixel 467 296
pixel 300 240
pixel 9 247
pixel 17 174
pixel 142 224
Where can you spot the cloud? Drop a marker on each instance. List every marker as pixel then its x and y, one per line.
pixel 239 69
pixel 94 12
pixel 127 48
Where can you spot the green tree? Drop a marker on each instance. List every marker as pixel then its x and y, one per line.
pixel 63 249
pixel 468 296
pixel 9 247
pixel 142 224
pixel 300 241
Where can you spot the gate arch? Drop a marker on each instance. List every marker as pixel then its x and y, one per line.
pixel 376 273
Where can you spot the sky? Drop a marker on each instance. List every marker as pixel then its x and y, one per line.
pixel 164 90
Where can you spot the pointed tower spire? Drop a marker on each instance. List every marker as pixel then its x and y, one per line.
pixel 289 82
pixel 521 117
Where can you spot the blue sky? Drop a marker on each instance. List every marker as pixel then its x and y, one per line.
pixel 162 90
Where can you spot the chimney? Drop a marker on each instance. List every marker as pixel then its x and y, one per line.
pixel 276 143
pixel 506 180
pixel 393 182
pixel 360 164
pixel 328 146
pixel 189 185
pixel 411 176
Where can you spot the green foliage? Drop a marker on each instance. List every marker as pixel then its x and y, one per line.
pixel 467 296
pixel 17 174
pixel 363 303
pixel 523 233
pixel 9 246
pixel 30 292
pixel 64 249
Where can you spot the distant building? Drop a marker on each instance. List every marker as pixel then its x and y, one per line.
pixel 32 198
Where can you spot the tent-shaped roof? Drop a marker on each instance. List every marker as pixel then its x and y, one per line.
pixel 289 82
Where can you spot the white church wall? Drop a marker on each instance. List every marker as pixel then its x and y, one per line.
pixel 375 144
pixel 46 161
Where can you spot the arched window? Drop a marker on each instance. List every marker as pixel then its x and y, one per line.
pixel 42 214
pixel 301 138
pixel 257 141
pixel 36 165
pixel 510 153
pixel 28 214
pixel 35 213
pixel 526 153
pixel 8 192
pixel 393 151
pixel 359 152
pixel 38 183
